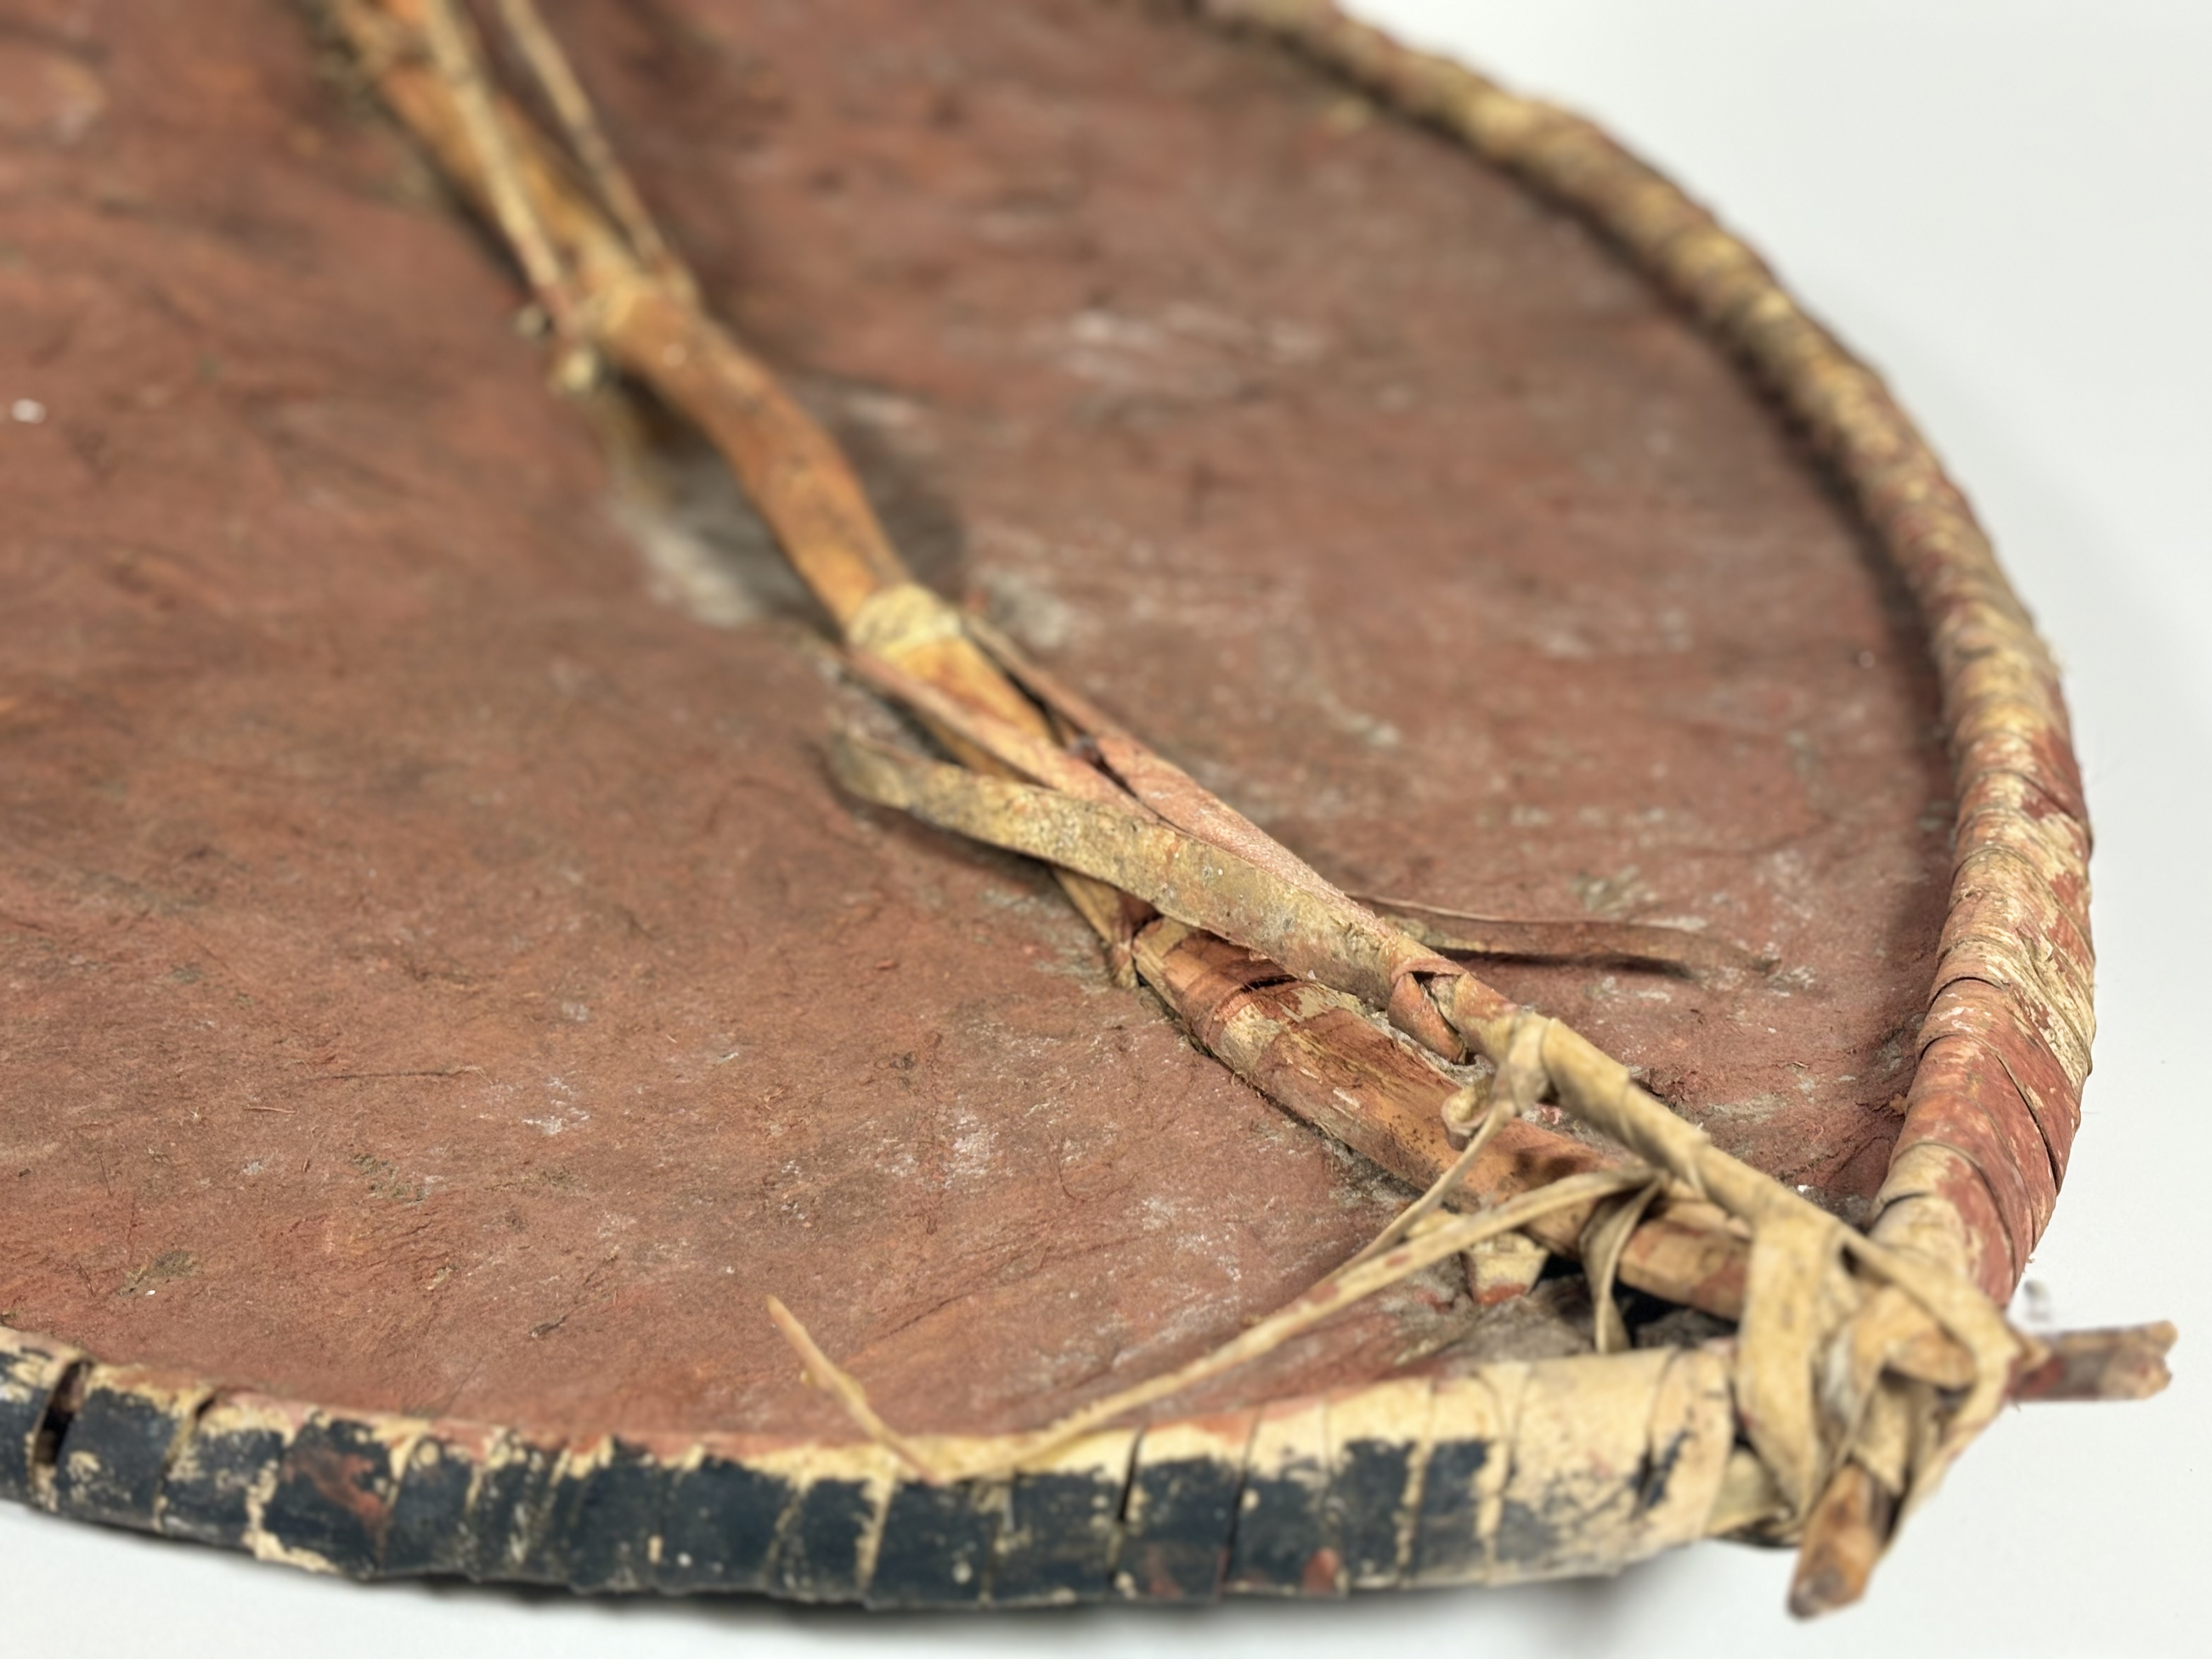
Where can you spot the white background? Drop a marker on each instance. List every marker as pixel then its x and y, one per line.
pixel 2007 204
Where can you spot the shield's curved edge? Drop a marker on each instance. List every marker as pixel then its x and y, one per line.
pixel 1515 1471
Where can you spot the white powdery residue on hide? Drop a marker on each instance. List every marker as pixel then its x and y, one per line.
pixel 973 1143
pixel 683 570
pixel 562 1113
pixel 1788 875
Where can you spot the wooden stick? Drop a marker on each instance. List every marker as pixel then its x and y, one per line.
pixel 2125 1363
pixel 572 106
pixel 454 50
pixel 1844 1537
pixel 1314 1053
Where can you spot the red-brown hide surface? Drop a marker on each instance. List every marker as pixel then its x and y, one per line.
pixel 438 973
